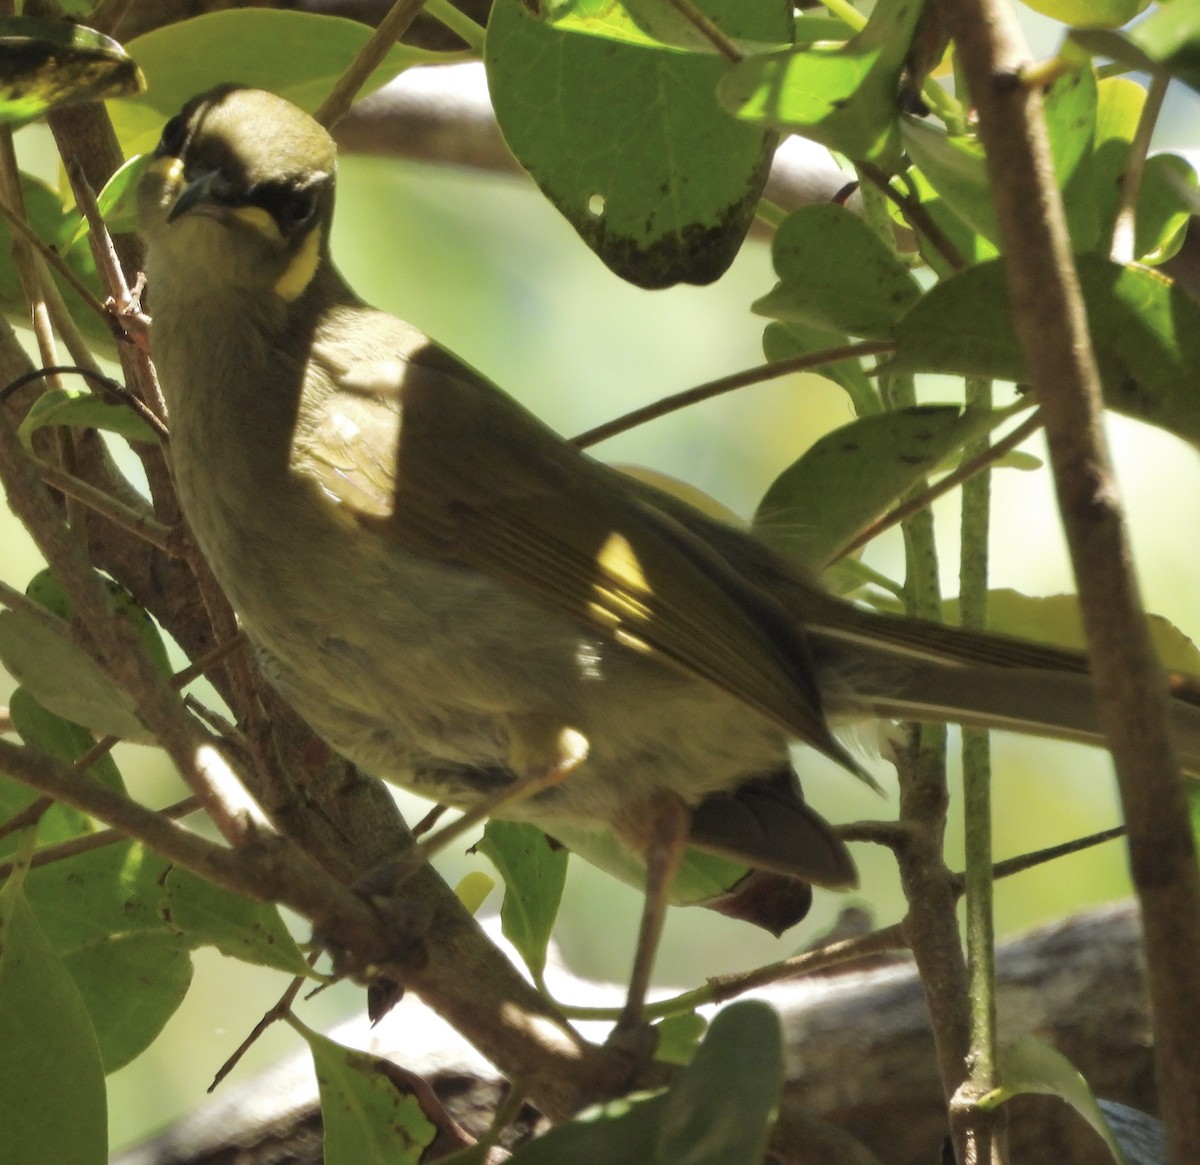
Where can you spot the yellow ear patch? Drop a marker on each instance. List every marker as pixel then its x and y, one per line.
pixel 302 268
pixel 300 271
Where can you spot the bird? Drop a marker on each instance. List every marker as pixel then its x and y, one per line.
pixel 462 602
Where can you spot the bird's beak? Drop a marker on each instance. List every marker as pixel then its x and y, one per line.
pixel 207 187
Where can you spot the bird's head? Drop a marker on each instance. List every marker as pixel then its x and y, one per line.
pixel 240 193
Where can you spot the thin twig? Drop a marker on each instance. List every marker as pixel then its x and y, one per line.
pixel 1129 188
pixel 390 29
pixel 756 375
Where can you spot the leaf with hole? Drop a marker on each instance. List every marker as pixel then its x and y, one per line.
pixel 628 141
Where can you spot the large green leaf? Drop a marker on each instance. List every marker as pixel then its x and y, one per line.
pixel 1029 1065
pixel 717 1111
pixel 1145 330
pixel 51 1079
pixel 298 55
pixel 628 141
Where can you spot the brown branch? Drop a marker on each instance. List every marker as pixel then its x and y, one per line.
pixel 1131 694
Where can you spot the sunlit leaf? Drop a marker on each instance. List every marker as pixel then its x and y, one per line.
pixel 534 872
pixel 842 96
pixel 48 64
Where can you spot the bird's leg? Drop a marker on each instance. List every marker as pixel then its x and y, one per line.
pixel 670 823
pixel 543 752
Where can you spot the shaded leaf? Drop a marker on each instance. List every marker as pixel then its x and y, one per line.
pixel 628 141
pixel 782 341
pixel 52 1089
pixel 298 55
pixel 835 272
pixel 131 984
pixel 40 653
pixel 42 729
pixel 84 410
pixel 678 1037
pixel 856 473
pixel 237 926
pixel 534 873
pixel 1145 330
pixel 717 1111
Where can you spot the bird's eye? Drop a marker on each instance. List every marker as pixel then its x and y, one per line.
pixel 295 211
pixel 174 138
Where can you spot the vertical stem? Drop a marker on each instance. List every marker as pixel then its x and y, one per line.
pixel 1131 694
pixel 985 1131
pixel 931 925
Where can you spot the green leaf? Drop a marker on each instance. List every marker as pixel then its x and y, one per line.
pixel 956 169
pixel 93 896
pixel 1165 206
pixel 117 200
pixel 52 1085
pixel 1145 330
pixel 298 55
pixel 48 64
pixel 84 410
pixel 40 653
pixel 473 890
pixel 783 341
pixel 42 729
pixel 855 474
pixel 678 1037
pixel 700 877
pixel 367 1119
pixel 717 1111
pixel 835 272
pixel 1031 1066
pixel 237 926
pixel 844 97
pixel 1094 13
pixel 131 985
pixel 534 872
pixel 628 141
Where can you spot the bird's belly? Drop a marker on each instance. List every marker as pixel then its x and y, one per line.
pixel 411 667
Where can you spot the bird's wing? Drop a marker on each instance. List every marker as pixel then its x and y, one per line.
pixel 420 448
